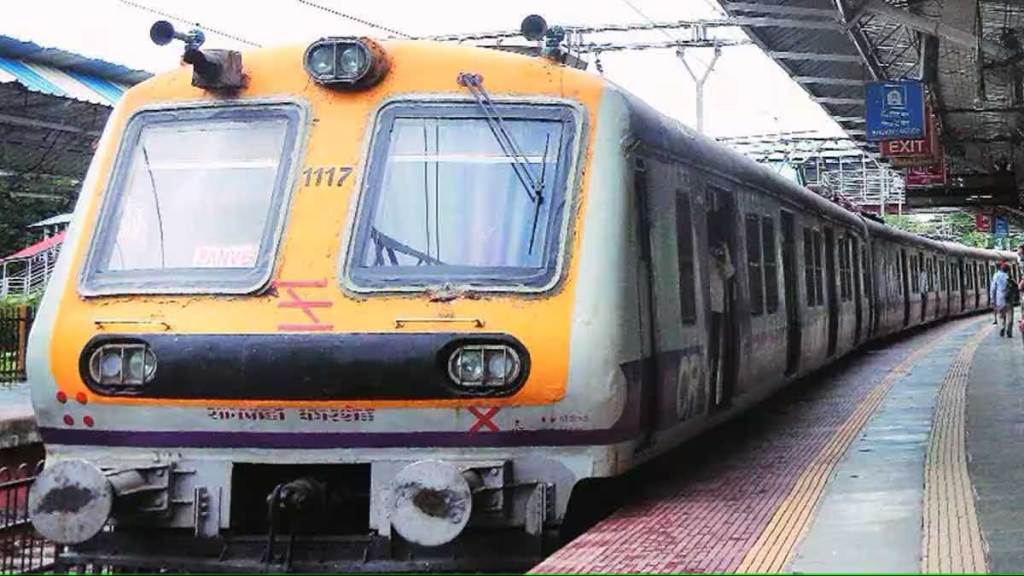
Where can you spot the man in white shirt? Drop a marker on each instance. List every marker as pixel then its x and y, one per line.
pixel 722 272
pixel 998 291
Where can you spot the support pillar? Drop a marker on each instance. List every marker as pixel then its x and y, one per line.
pixel 699 81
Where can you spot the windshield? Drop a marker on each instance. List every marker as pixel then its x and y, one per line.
pixel 444 202
pixel 195 201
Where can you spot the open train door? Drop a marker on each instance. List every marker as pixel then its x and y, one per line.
pixel 723 327
pixel 790 279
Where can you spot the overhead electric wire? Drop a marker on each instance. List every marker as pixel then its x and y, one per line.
pixel 352 18
pixel 184 20
pixel 632 27
pixel 646 17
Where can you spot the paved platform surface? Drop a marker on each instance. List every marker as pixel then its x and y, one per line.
pixel 995 445
pixel 905 458
pixel 17 423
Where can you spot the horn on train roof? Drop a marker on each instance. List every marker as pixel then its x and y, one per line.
pixel 215 70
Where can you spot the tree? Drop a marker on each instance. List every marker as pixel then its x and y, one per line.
pixel 955 226
pixel 28 199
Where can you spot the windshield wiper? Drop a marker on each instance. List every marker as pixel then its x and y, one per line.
pixel 156 205
pixel 536 208
pixel 533 185
pixel 387 246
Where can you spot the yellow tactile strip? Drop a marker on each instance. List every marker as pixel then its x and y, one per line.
pixel 952 540
pixel 775 546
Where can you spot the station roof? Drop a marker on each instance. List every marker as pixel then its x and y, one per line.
pixel 35 249
pixel 53 105
pixel 967 51
pixel 52 221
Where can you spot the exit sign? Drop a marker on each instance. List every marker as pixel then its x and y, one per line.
pixel 914 151
pixel 908 147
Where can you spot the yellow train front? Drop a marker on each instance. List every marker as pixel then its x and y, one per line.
pixel 320 308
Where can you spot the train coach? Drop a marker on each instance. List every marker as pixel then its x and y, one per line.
pixel 385 305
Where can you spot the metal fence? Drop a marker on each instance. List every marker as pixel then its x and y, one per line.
pixel 21 549
pixel 15 323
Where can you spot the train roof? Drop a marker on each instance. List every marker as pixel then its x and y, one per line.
pixel 667 134
pixel 670 136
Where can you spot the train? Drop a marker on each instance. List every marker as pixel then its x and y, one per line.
pixel 288 331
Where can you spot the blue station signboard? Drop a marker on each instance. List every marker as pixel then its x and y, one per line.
pixel 1002 226
pixel 894 110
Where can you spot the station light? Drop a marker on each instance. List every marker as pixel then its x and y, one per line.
pixel 352 63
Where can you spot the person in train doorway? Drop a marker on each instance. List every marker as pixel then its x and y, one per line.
pixel 1020 256
pixel 1002 291
pixel 722 272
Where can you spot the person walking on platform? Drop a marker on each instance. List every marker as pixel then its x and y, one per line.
pixel 999 291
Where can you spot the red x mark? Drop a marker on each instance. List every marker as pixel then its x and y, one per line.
pixel 483 419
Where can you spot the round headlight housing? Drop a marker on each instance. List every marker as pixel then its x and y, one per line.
pixel 110 364
pixel 122 367
pixel 352 63
pixel 485 367
pixel 320 61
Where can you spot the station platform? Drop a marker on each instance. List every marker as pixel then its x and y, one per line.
pixel 17 422
pixel 905 457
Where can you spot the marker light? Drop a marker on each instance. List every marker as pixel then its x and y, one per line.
pixel 484 366
pixel 346 62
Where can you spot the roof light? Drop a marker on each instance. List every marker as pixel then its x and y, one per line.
pixel 352 63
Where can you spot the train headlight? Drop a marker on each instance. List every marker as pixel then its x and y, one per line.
pixel 320 61
pixel 110 365
pixel 471 365
pixel 351 61
pixel 485 366
pixel 346 62
pixel 501 366
pixel 122 365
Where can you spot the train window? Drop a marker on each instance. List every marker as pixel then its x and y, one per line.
pixel 809 267
pixel 446 202
pixel 845 270
pixel 754 273
pixel 684 244
pixel 196 201
pixel 841 249
pixel 819 295
pixel 915 277
pixel 771 274
pixel 900 272
pixel 926 274
pixel 865 271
